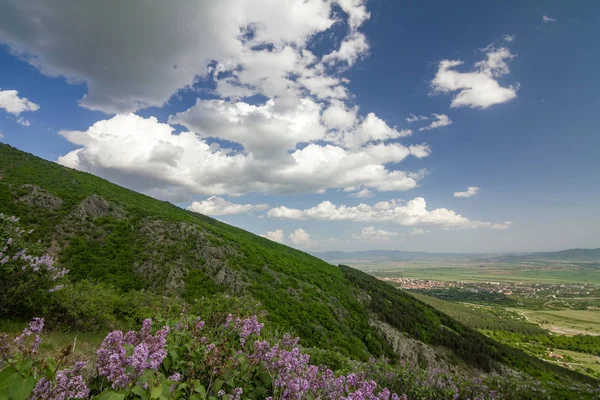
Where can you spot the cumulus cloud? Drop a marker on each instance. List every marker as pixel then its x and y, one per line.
pixel 300 238
pixel 1 135
pixel 305 137
pixel 413 118
pixel 439 121
pixel 369 129
pixel 411 213
pixel 371 233
pixel 546 19
pixel 13 104
pixel 478 88
pixel 276 235
pixel 339 116
pixel 145 155
pixel 219 206
pixel 470 192
pixel 509 38
pixel 251 46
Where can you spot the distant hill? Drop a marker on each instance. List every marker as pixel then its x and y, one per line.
pixel 563 255
pixel 389 255
pixel 130 241
pixel 399 255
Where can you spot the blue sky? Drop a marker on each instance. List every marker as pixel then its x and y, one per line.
pixel 291 119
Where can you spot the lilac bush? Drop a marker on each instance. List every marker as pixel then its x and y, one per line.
pixel 23 264
pixel 124 358
pixel 25 375
pixel 69 385
pixel 231 361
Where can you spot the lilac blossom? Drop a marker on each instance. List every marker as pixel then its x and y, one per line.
pixel 69 385
pixel 122 369
pixel 36 326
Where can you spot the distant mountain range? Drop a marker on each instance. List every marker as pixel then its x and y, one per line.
pixel 399 255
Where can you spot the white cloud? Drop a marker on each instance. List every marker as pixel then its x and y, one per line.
pixel 363 194
pixel 352 48
pixel 370 233
pixel 276 235
pixel 440 120
pixel 370 129
pixel 304 138
pixel 546 19
pixel 418 231
pixel 219 206
pixel 470 192
pixel 145 155
pixel 339 116
pixel 13 104
pixel 356 11
pixel 420 150
pixel 1 135
pixel 300 238
pixel 23 122
pixel 509 38
pixel 261 129
pixel 413 118
pixel 478 88
pixel 411 213
pixel 259 43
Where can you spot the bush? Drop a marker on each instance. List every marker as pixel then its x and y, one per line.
pixel 27 274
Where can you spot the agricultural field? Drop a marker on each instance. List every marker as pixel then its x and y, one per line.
pixel 583 362
pixel 565 322
pixel 549 309
pixel 473 271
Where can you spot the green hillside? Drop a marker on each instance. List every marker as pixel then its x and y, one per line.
pixel 113 237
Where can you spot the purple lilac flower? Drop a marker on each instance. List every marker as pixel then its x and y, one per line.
pixel 149 352
pixel 176 377
pixel 69 385
pixel 35 328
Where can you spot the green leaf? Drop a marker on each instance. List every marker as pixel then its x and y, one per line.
pixel 6 373
pixel 243 364
pixel 174 356
pixel 201 390
pixel 167 363
pixel 137 390
pixel 21 389
pixel 25 365
pixel 217 385
pixel 156 392
pixel 110 395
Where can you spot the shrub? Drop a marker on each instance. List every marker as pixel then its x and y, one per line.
pixel 32 275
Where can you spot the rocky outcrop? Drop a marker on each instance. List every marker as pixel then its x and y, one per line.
pixel 38 197
pixel 94 207
pixel 410 350
pixel 179 247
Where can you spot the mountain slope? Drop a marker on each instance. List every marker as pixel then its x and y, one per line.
pixel 114 235
pixel 102 231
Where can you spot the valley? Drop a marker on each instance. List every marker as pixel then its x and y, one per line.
pixel 535 305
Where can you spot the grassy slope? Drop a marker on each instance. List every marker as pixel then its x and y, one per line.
pixel 300 292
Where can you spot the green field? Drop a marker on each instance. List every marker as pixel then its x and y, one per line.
pixel 566 322
pixel 582 361
pixel 482 272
